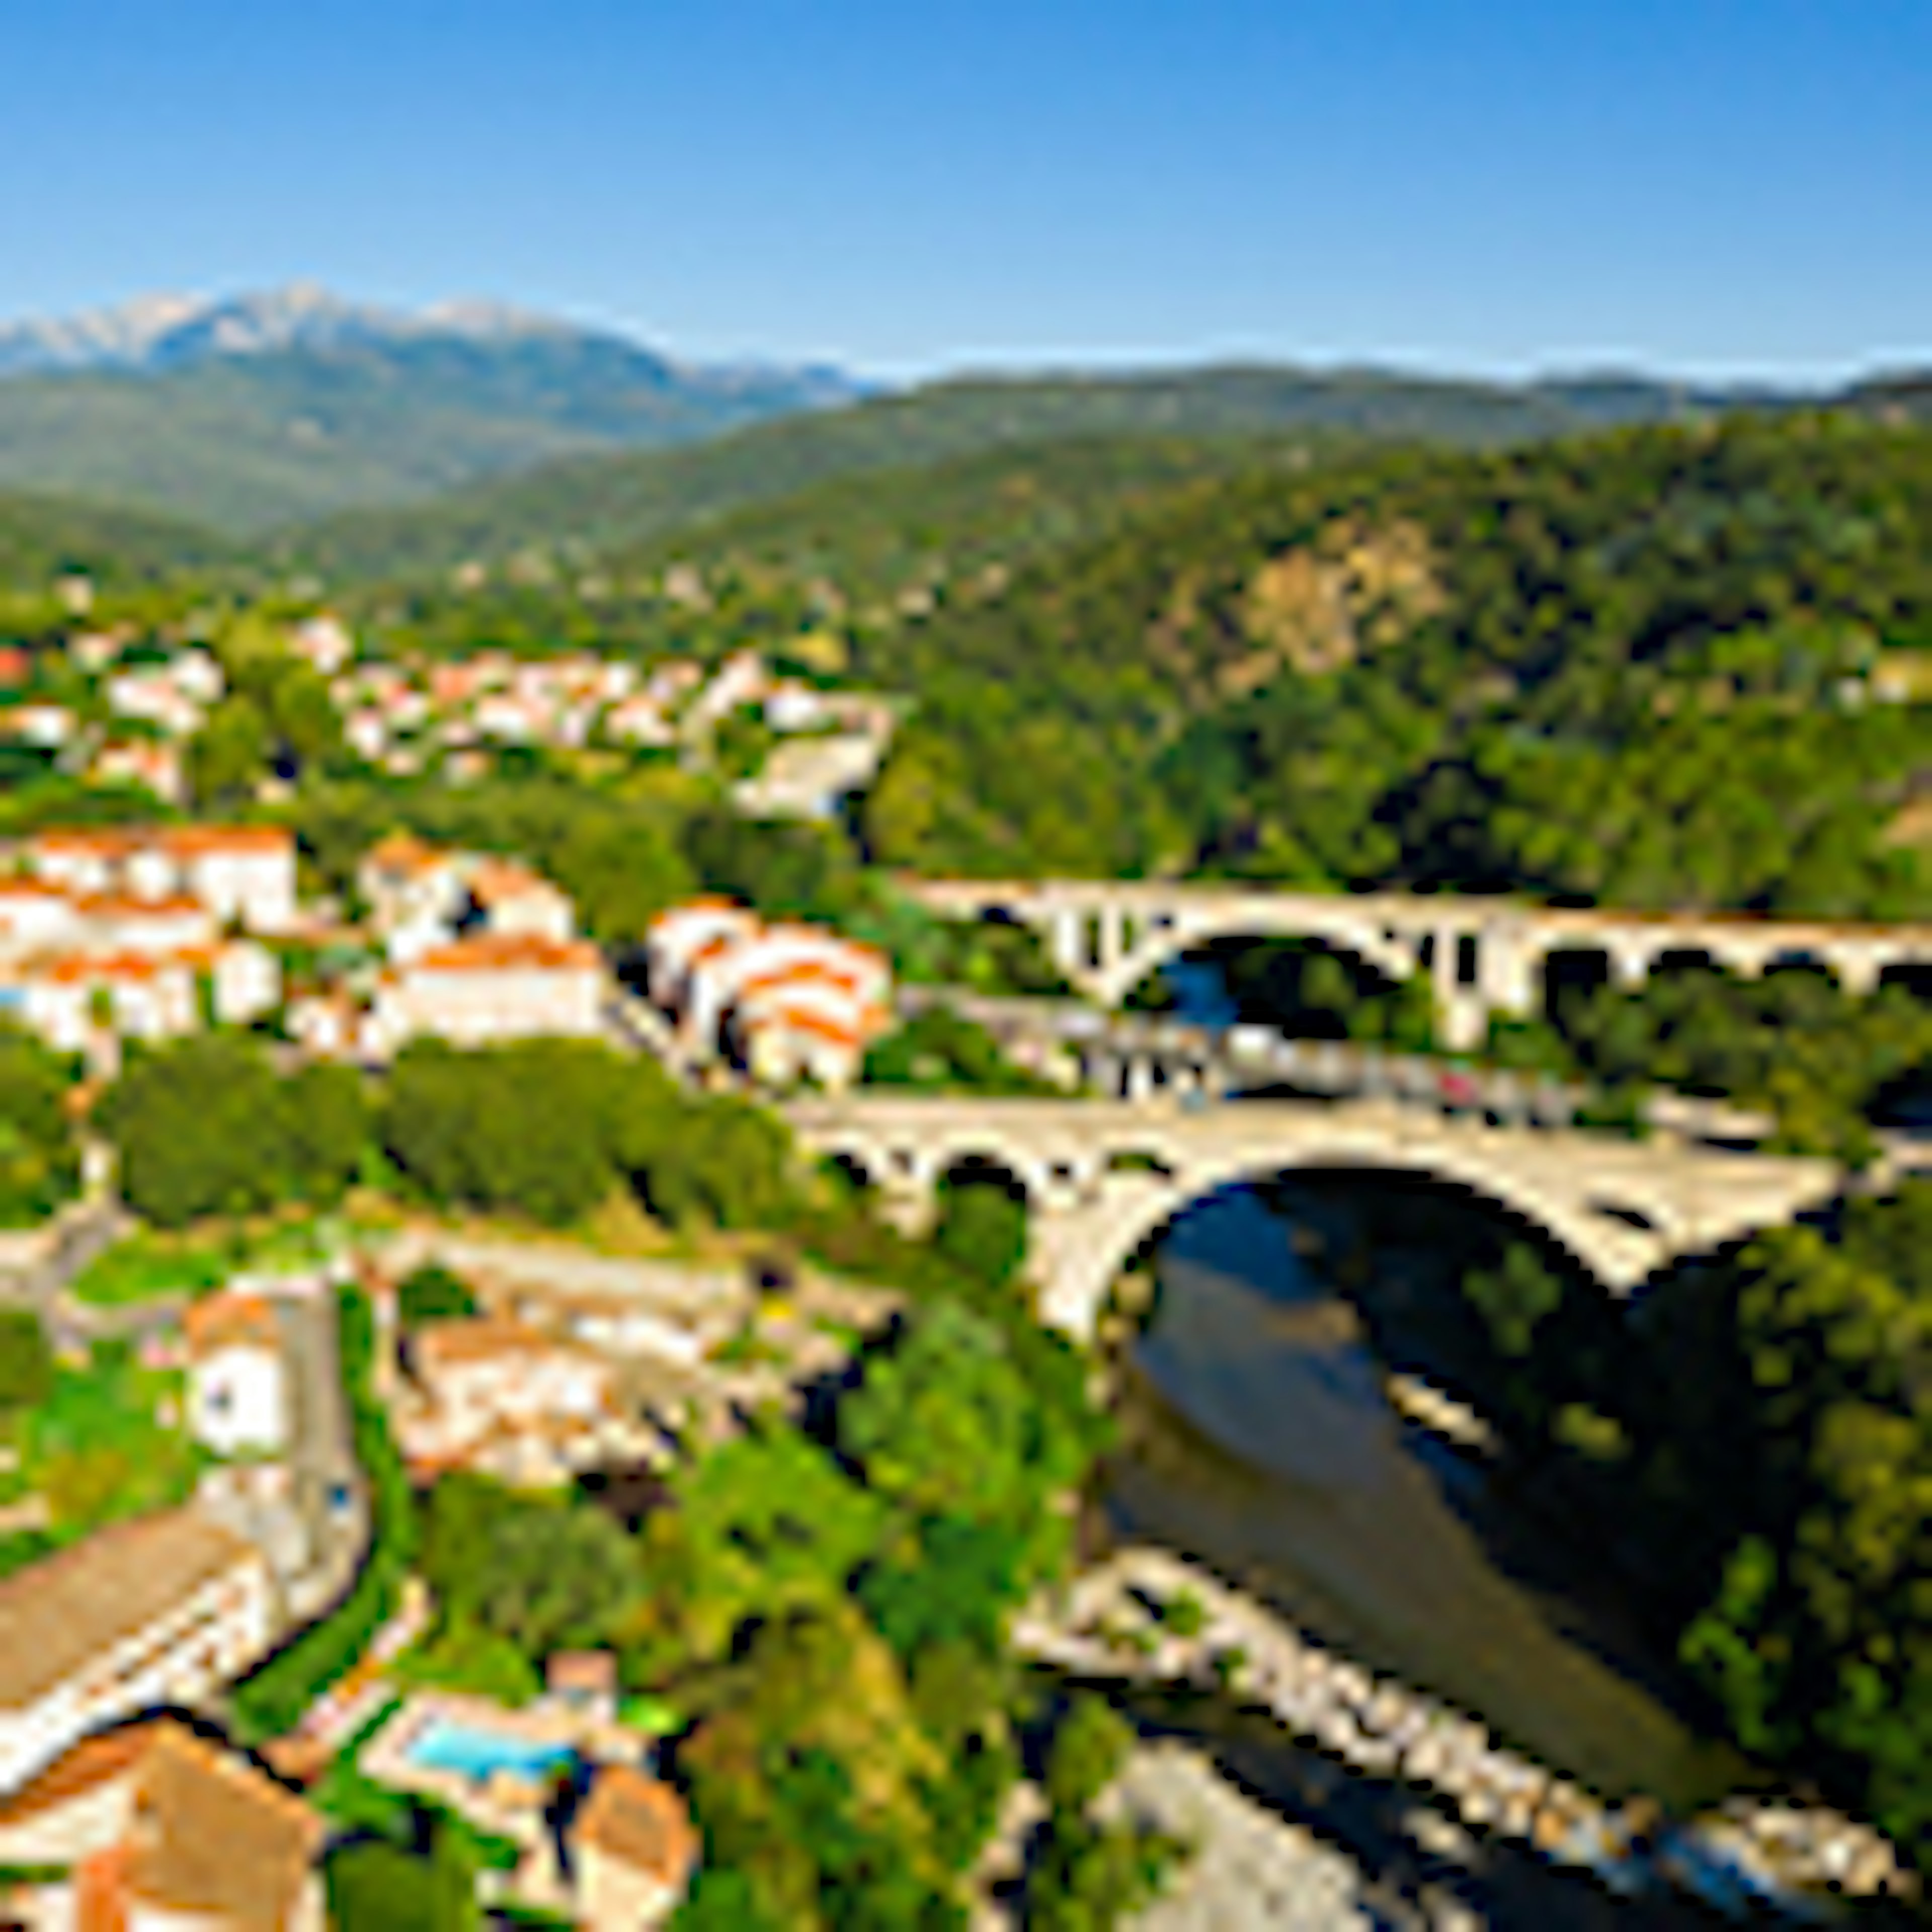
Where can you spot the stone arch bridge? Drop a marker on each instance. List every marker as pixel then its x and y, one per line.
pixel 1482 956
pixel 1102 1177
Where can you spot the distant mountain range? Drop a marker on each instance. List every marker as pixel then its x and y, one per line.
pixel 269 408
pixel 616 500
pixel 412 440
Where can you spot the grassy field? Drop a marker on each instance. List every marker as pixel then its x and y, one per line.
pixel 148 1266
pixel 145 1267
pixel 107 1443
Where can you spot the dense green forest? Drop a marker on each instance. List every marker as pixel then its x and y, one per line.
pixel 580 506
pixel 1749 1444
pixel 43 536
pixel 1661 667
pixel 907 533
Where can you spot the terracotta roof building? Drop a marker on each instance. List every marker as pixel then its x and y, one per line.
pixel 635 1850
pixel 162 1828
pixel 163 1610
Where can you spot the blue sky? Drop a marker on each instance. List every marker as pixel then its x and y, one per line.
pixel 1705 186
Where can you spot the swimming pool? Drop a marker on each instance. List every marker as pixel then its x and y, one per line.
pixel 444 1744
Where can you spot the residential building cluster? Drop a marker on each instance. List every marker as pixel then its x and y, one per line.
pixel 788 1003
pixel 505 1399
pixel 114 1817
pixel 147 703
pixel 409 717
pixel 114 934
pixel 121 709
pixel 474 949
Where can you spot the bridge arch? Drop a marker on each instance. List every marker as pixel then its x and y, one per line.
pixel 1101 1178
pixel 1140 1227
pixel 1339 925
pixel 1142 1234
pixel 1306 982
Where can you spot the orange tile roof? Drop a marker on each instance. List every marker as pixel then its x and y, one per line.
pixel 500 952
pixel 634 1817
pixel 496 880
pixel 480 1338
pixel 800 973
pixel 214 1840
pixel 820 1025
pixel 108 841
pixel 114 905
pixel 93 1762
pixel 403 852
pixel 189 840
pixel 231 1321
pixel 81 969
pixel 101 1902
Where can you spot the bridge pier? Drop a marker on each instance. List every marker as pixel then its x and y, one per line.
pixel 1074 1251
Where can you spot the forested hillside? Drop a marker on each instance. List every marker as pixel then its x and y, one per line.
pixel 897 535
pixel 247 441
pixel 578 506
pixel 1668 667
pixel 42 537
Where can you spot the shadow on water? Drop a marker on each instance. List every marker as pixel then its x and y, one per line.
pixel 1257 1438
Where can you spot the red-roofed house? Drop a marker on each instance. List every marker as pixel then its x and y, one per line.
pixel 484 991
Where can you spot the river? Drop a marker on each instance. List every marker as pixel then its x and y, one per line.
pixel 1256 1438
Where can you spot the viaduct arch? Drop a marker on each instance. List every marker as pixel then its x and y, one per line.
pixel 1102 1177
pixel 1482 956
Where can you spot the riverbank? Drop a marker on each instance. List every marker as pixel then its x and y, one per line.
pixel 1248 1869
pixel 1148 1617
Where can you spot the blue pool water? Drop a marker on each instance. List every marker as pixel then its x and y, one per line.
pixel 445 1745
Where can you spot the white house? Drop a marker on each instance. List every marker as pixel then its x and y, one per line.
pixel 70 1000
pixel 504 1398
pixel 325 641
pixel 678 937
pixel 244 874
pixel 718 981
pixel 241 873
pixel 163 1610
pixel 35 916
pixel 238 1400
pixel 513 901
pixel 809 1024
pixel 484 991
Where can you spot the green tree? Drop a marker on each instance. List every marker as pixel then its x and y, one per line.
pixel 547 1575
pixel 431 1293
pixel 945 1424
pixel 202 1129
pixel 982 1228
pixel 26 1361
pixel 39 1164
pixel 230 752
pixel 1089 1744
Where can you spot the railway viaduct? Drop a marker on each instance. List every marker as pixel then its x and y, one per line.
pixel 1102 1177
pixel 1482 956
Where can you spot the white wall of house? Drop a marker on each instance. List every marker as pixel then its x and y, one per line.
pixel 238 1400
pixel 247 983
pixel 479 1007
pixel 208 1639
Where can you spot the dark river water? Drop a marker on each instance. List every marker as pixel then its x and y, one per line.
pixel 1256 1438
